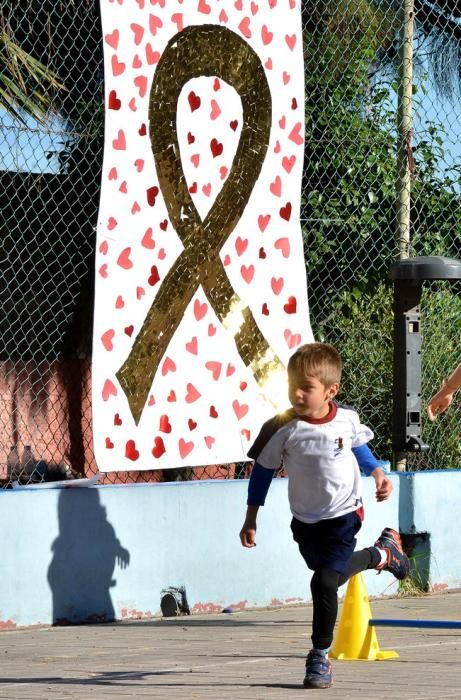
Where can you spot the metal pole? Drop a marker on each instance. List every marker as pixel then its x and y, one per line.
pixel 430 624
pixel 405 161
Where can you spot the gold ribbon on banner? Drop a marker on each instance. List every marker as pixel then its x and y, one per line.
pixel 205 50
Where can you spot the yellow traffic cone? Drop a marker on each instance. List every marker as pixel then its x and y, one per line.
pixel 355 639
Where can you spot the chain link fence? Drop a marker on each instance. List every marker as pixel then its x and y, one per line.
pixel 50 177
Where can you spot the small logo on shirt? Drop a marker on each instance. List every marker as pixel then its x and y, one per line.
pixel 339 445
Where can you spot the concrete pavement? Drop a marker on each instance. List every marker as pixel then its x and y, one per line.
pixel 244 655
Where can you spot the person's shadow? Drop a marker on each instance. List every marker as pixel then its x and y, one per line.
pixel 84 557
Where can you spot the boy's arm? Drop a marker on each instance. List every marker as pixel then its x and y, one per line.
pixel 443 398
pixel 370 466
pixel 258 486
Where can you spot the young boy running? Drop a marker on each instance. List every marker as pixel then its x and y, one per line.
pixel 321 446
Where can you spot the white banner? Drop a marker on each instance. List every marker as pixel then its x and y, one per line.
pixel 200 277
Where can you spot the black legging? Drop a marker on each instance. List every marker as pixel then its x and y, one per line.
pixel 324 587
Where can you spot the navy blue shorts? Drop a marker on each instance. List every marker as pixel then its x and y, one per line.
pixel 327 543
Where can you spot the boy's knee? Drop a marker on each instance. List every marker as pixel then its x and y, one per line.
pixel 325 580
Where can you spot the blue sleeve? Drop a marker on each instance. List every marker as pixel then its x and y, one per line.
pixel 366 459
pixel 258 486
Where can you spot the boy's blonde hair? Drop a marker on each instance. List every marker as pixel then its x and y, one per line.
pixel 319 360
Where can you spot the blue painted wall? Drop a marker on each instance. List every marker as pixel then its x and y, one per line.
pixel 104 552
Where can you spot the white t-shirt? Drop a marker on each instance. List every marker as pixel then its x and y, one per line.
pixel 324 477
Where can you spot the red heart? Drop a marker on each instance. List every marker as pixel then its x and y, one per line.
pixel 290 306
pixel 165 425
pixel 294 103
pixel 185 447
pixel 117 419
pixel 119 143
pixel 192 345
pixel 151 193
pixel 147 240
pixel 216 85
pixel 114 102
pixel 117 66
pixel 283 244
pixel 109 444
pixel 130 451
pixel 107 339
pixel 216 148
pixel 276 187
pixel 277 285
pixel 265 309
pixel 190 138
pixel 240 410
pixel 209 441
pixel 266 35
pixel 295 134
pixel 247 273
pixel 193 188
pixel 213 412
pixel 234 124
pixel 129 331
pixel 215 368
pixel 192 393
pixel 192 424
pixel 164 224
pixel 287 163
pixel 285 212
pixel 168 366
pixel 112 39
pixel 138 32
pixel 124 259
pixel 199 309
pixel 246 433
pixel 292 340
pixel 152 57
pixel 262 253
pixel 142 131
pixel 263 221
pixel 159 448
pixel 241 245
pixel 171 397
pixel 244 27
pixel 243 386
pixel 194 101
pixel 154 276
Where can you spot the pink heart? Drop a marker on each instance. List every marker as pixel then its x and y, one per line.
pixel 241 245
pixel 277 285
pixel 192 393
pixel 107 339
pixel 118 67
pixel 103 271
pixel 215 368
pixel 200 309
pixel 286 77
pixel 124 259
pixel 168 366
pixel 204 7
pixel 108 390
pixel 112 39
pixel 206 189
pixel 192 345
pixel 113 174
pixel 177 18
pixel 147 240
pixel 283 244
pixel 209 441
pixel 195 160
pixel 288 163
pixel 185 447
pixel 119 303
pixel 230 370
pixel 266 35
pixel 291 41
pixel 137 63
pixel 141 83
pixel 247 273
pixel 154 24
pixel 292 339
pixel 119 143
pixel 240 410
pixel 295 135
pixel 139 293
pixel 223 17
pixel 276 187
pixel 215 110
pixel 244 27
pixel 112 223
pixel 263 221
pixel 152 57
pixel 138 32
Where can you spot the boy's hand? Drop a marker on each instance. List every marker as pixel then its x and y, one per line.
pixel 248 534
pixel 440 402
pixel 383 484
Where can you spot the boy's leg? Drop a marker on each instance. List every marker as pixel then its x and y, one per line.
pixel 324 589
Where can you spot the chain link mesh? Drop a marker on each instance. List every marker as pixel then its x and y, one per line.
pixel 50 177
